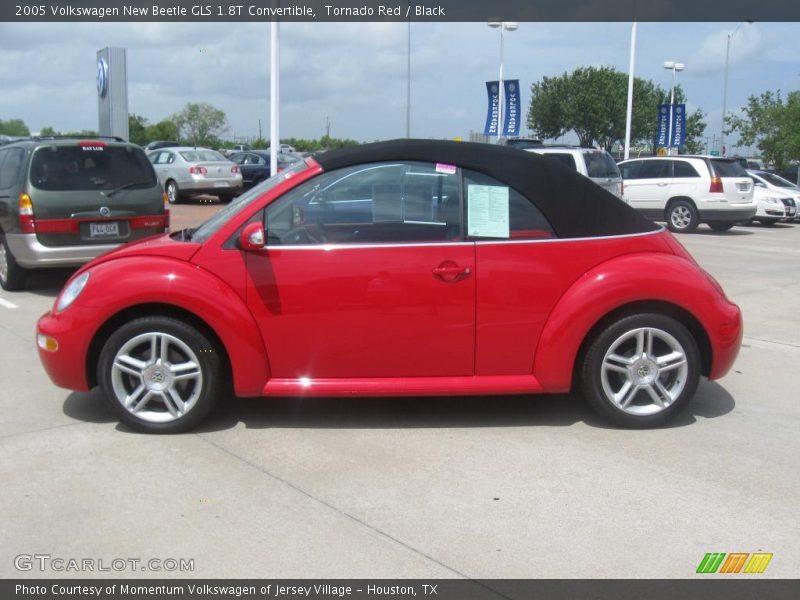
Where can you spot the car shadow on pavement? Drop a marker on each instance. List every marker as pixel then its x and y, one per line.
pixel 48 282
pixel 546 410
pixel 729 233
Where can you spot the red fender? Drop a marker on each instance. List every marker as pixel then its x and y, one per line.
pixel 151 279
pixel 634 277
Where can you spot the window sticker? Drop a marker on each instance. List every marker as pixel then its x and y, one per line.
pixel 446 169
pixel 488 211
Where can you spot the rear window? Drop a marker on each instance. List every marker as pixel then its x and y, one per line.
pixel 70 168
pixel 202 155
pixel 565 159
pixel 728 168
pixel 600 164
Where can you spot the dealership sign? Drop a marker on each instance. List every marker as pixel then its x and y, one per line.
pixel 678 129
pixel 511 108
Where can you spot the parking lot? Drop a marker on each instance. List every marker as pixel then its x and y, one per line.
pixel 513 487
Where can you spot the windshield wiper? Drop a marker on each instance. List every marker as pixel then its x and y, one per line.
pixel 124 187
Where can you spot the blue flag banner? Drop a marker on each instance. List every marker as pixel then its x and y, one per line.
pixel 663 126
pixel 678 125
pixel 511 108
pixel 493 91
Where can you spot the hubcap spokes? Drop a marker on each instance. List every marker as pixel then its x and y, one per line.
pixel 156 377
pixel 681 217
pixel 644 371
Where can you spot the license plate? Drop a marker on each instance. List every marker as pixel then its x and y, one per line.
pixel 221 184
pixel 103 229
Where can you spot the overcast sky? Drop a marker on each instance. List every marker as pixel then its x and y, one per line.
pixel 355 74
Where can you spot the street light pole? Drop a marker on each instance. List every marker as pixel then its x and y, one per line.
pixel 503 26
pixel 629 115
pixel 725 84
pixel 274 135
pixel 674 67
pixel 408 82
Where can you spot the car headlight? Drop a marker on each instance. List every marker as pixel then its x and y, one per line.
pixel 72 291
pixel 772 200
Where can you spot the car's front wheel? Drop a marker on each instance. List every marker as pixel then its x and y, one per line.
pixel 160 375
pixel 641 370
pixel 682 217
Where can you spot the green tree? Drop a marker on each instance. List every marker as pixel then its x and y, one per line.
pixel 15 127
pixel 48 131
pixel 592 102
pixel 201 124
pixel 137 129
pixel 772 124
pixel 163 130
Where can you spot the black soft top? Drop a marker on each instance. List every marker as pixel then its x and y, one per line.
pixel 574 205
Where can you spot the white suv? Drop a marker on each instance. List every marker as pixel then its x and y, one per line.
pixel 687 190
pixel 593 163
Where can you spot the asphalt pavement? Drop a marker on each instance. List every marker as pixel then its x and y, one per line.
pixel 519 487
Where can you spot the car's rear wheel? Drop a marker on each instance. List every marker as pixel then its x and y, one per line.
pixel 682 217
pixel 721 225
pixel 641 370
pixel 225 198
pixel 12 276
pixel 160 374
pixel 173 192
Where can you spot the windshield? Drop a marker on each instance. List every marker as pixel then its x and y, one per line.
pixel 202 155
pixel 87 167
pixel 775 180
pixel 210 227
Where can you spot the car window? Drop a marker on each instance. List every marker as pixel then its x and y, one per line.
pixel 90 167
pixel 202 155
pixel 565 159
pixel 397 202
pixel 165 158
pixel 11 160
pixel 681 168
pixel 631 170
pixel 655 169
pixel 237 158
pixel 776 180
pixel 728 168
pixel 600 164
pixel 497 211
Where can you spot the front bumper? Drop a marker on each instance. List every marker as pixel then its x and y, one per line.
pixel 72 330
pixel 31 254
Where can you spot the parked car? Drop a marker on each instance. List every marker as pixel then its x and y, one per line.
pixel 775 183
pixel 233 150
pixel 476 270
pixel 65 201
pixel 155 145
pixel 596 164
pixel 255 165
pixel 688 190
pixel 188 171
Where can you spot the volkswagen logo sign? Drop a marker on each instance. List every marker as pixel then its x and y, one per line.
pixel 105 211
pixel 102 77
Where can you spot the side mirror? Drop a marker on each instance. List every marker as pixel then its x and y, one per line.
pixel 252 237
pixel 760 184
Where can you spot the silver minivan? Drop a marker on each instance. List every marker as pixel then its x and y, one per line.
pixel 594 163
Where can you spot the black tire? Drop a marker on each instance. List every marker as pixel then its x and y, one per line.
pixel 12 276
pixel 225 198
pixel 682 217
pixel 680 379
pixel 173 192
pixel 721 225
pixel 200 395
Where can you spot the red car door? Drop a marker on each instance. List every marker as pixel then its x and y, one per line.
pixel 366 275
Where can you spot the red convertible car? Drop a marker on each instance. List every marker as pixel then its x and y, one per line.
pixel 401 268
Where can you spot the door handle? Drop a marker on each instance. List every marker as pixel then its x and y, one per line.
pixel 662 184
pixel 450 271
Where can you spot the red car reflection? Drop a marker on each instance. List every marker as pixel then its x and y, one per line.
pixel 395 269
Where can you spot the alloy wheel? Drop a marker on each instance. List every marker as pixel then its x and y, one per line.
pixel 644 371
pixel 681 217
pixel 156 377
